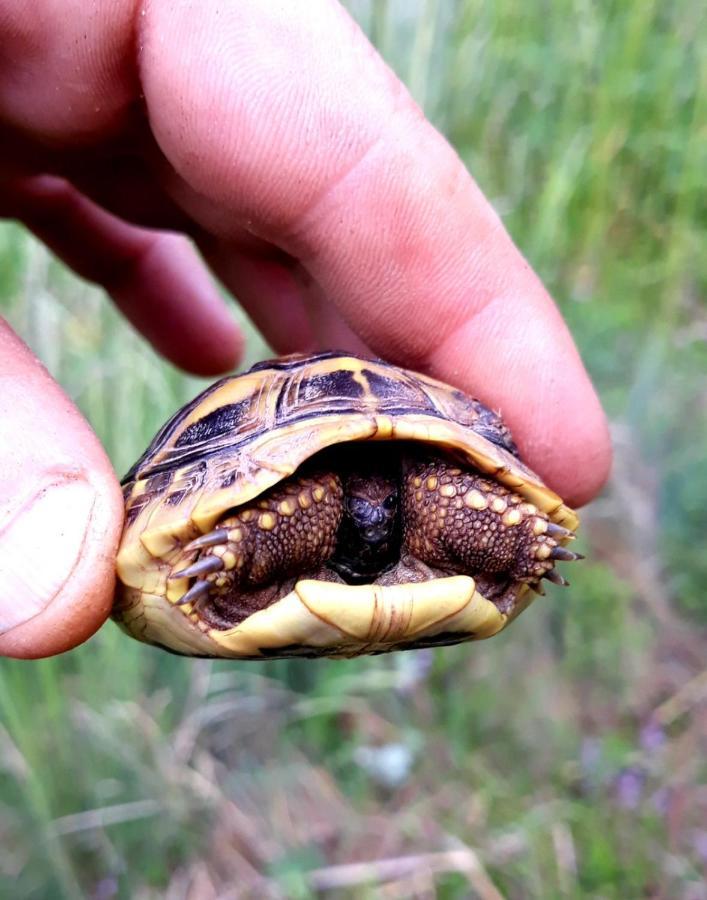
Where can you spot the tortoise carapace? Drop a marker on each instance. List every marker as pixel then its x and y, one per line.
pixel 331 505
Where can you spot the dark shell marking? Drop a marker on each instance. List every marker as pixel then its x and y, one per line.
pixel 306 395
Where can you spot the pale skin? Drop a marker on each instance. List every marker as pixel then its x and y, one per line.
pixel 275 136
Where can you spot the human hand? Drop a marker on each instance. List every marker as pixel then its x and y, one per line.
pixel 279 141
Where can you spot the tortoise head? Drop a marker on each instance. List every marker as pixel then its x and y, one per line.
pixel 372 506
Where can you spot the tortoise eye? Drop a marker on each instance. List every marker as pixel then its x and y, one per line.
pixel 390 501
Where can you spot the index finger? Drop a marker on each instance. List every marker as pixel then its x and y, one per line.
pixel 298 128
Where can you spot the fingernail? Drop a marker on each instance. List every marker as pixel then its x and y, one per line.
pixel 41 539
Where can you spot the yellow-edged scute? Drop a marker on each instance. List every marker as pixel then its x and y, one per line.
pixel 246 433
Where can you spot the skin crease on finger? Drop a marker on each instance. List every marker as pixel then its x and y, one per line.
pixel 330 164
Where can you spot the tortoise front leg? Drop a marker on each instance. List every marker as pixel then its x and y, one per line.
pixel 461 522
pixel 288 530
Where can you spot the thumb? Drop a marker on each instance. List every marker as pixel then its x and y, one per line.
pixel 61 513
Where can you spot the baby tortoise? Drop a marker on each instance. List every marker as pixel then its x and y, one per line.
pixel 331 505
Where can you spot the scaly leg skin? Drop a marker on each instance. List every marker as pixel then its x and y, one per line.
pixel 290 529
pixel 458 521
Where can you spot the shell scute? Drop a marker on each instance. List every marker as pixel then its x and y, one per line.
pixel 218 423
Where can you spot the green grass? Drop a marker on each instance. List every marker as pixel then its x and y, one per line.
pixel 564 758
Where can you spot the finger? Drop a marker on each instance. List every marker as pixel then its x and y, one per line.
pixel 329 326
pixel 155 278
pixel 285 305
pixel 383 216
pixel 332 162
pixel 61 512
pixel 266 286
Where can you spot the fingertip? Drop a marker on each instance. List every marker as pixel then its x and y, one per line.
pixel 568 445
pixel 517 356
pixel 581 481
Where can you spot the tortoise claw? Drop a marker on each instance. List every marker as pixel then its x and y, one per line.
pixel 557 531
pixel 197 590
pixel 201 567
pixel 220 536
pixel 565 555
pixel 556 578
pixel 537 587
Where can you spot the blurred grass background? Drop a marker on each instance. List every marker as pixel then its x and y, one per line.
pixel 565 758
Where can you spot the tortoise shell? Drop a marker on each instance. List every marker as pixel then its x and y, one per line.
pixel 248 432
